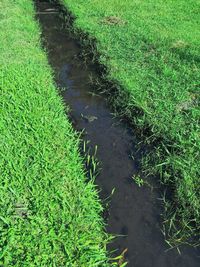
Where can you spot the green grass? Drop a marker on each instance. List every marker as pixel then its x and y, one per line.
pixel 49 215
pixel 151 51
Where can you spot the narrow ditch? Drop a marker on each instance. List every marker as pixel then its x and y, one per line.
pixel 134 212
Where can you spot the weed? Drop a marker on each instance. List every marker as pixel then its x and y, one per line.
pixel 138 180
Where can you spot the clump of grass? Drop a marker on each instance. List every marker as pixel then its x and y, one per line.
pixel 138 180
pixel 49 215
pixel 154 62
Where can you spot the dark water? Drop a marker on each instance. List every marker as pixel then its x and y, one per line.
pixel 134 212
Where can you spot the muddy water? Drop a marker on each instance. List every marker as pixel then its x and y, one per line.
pixel 134 212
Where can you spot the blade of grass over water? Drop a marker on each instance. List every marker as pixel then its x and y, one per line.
pixel 50 215
pixel 151 53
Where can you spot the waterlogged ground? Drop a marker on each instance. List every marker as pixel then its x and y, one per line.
pixel 151 52
pixel 134 212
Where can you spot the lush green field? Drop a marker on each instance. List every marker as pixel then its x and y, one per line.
pixel 151 51
pixel 49 215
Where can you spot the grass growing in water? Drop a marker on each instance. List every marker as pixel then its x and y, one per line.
pixel 151 51
pixel 49 215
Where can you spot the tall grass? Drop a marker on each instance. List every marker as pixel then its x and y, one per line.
pixel 49 215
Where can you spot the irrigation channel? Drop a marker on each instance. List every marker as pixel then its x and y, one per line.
pixel 134 212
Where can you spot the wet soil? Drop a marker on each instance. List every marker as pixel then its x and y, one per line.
pixel 134 212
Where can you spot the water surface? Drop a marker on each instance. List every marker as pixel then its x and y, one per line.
pixel 134 212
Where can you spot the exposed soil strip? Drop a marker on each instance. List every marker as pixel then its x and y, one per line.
pixel 134 212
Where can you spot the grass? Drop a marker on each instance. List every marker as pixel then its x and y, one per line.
pixel 151 53
pixel 50 215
